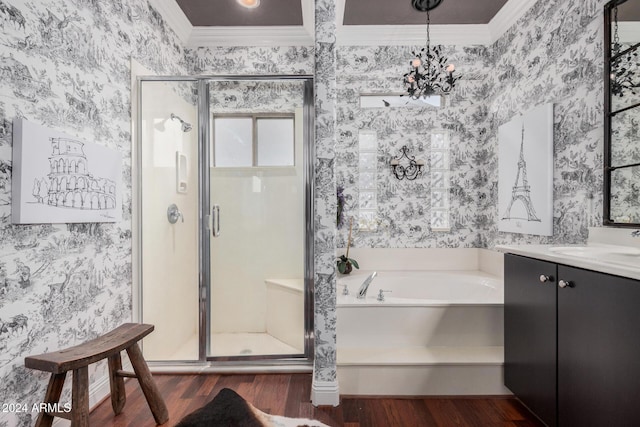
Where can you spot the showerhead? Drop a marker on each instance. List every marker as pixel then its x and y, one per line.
pixel 186 127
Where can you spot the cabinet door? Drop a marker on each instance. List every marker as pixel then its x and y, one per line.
pixel 598 349
pixel 530 334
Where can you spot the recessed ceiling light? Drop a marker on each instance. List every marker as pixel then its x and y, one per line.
pixel 249 4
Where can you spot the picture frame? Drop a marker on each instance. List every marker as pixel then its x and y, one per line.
pixel 57 178
pixel 525 176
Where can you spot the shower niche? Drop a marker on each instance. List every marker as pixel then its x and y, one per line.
pixel 230 280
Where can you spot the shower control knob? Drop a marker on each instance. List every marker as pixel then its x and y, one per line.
pixel 544 278
pixel 174 214
pixel 565 284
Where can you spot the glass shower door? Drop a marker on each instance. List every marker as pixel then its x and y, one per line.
pixel 257 192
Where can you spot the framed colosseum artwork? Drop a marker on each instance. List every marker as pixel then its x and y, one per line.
pixel 57 178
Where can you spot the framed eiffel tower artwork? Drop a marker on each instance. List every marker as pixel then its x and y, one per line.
pixel 525 173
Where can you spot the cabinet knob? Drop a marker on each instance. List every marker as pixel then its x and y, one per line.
pixel 565 284
pixel 544 278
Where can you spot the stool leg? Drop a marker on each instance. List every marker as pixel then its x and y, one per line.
pixel 118 393
pixel 148 386
pixel 80 397
pixel 54 390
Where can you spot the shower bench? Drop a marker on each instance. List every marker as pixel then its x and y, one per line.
pixel 78 359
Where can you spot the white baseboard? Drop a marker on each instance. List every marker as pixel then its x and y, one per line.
pixel 325 393
pixel 98 391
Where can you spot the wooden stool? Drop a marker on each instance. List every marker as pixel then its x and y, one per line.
pixel 79 358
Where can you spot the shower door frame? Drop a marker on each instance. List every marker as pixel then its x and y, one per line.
pixel 204 216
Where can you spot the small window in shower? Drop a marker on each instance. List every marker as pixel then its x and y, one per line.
pixel 274 141
pixel 233 138
pixel 368 169
pixel 254 140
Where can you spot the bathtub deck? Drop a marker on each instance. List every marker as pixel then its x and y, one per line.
pixel 420 356
pixel 440 333
pixel 422 371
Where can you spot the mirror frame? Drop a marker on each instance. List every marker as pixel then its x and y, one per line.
pixel 608 114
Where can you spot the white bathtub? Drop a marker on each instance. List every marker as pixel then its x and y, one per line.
pixel 423 288
pixel 436 333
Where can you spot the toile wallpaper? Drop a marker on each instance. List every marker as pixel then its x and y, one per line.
pixel 403 214
pixel 553 54
pixel 250 60
pixel 65 65
pixel 256 96
pixel 325 370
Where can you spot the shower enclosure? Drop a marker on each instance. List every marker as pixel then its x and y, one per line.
pixel 224 216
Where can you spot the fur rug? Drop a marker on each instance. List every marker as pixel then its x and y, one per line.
pixel 229 409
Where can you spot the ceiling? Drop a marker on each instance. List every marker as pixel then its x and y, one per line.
pixel 400 12
pixel 629 11
pixel 201 13
pixel 356 12
pixel 359 22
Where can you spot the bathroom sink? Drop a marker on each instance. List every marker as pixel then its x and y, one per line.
pixel 595 251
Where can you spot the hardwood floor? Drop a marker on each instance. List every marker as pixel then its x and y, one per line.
pixel 288 395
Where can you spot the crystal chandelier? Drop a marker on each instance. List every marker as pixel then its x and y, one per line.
pixel 429 73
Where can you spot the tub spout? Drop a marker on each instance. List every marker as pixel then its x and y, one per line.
pixel 362 292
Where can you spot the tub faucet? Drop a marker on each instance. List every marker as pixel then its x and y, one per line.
pixel 635 233
pixel 362 292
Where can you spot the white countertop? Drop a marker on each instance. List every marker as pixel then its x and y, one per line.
pixel 619 265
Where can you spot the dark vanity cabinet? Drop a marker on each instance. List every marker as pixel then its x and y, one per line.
pixel 598 349
pixel 530 327
pixel 572 343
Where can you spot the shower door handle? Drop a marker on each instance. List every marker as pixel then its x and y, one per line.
pixel 215 220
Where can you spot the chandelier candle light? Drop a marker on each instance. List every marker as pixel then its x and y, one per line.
pixel 430 73
pixel 411 171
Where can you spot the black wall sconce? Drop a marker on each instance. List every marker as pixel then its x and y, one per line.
pixel 402 170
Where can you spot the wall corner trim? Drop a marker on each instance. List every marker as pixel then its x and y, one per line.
pixel 325 393
pixel 508 16
pixel 175 17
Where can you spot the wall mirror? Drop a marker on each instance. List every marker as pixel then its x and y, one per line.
pixel 622 113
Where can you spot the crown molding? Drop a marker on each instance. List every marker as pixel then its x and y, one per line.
pixel 347 35
pixel 308 18
pixel 249 36
pixel 175 17
pixel 507 17
pixel 393 35
pixel 409 35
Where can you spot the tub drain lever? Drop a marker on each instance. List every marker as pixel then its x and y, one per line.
pixel 381 295
pixel 345 290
